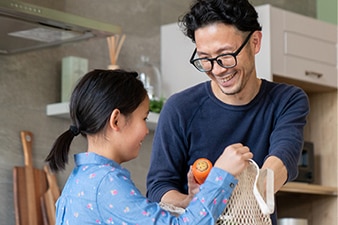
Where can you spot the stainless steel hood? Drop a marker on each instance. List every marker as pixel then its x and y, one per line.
pixel 25 27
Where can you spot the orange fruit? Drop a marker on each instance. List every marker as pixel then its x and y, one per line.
pixel 200 169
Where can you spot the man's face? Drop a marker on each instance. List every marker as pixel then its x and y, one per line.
pixel 216 39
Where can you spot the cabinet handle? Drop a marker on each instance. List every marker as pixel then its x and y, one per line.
pixel 313 74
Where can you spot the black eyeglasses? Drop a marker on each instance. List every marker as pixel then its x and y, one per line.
pixel 227 60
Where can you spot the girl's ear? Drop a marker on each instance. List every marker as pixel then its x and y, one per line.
pixel 115 117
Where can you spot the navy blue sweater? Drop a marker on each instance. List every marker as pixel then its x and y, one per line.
pixel 195 124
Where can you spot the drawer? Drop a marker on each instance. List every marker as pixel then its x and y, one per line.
pixel 310 71
pixel 307 47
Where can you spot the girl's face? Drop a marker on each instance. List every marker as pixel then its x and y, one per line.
pixel 133 132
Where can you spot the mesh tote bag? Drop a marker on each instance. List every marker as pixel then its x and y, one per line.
pixel 252 201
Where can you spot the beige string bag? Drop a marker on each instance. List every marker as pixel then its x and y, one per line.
pixel 252 201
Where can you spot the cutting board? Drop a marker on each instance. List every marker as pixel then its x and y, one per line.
pixel 29 184
pixel 49 198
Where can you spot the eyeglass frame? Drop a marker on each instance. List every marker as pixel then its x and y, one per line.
pixel 211 60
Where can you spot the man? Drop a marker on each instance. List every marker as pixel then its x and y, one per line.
pixel 235 106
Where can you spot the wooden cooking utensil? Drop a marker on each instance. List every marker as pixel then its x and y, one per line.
pixel 29 184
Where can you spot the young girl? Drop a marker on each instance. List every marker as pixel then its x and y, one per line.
pixel 110 108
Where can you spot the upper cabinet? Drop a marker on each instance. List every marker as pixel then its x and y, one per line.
pixel 297 48
pixel 176 50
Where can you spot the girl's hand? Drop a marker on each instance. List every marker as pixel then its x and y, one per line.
pixel 234 159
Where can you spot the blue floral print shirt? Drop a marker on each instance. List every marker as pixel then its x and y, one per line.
pixel 100 191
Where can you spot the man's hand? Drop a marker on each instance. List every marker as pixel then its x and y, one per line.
pixel 193 186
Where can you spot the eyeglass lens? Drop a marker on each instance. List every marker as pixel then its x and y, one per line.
pixel 206 64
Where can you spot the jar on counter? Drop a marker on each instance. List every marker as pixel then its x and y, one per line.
pixel 151 78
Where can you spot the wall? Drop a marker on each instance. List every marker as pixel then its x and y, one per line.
pixel 327 10
pixel 30 81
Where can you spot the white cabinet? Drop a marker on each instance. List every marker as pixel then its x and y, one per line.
pixel 297 48
pixel 176 50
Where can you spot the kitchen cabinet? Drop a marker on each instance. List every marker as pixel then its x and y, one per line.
pixel 297 50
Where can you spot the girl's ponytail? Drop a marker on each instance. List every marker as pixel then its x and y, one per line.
pixel 58 156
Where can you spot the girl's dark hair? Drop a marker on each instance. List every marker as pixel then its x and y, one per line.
pixel 239 13
pixel 94 98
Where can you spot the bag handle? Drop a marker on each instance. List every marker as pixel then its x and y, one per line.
pixel 264 194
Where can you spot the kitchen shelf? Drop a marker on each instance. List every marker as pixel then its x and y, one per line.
pixel 305 188
pixel 58 110
pixel 61 110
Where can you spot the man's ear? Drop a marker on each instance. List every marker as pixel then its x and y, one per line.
pixel 256 40
pixel 115 117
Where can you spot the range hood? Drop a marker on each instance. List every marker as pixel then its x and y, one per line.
pixel 26 27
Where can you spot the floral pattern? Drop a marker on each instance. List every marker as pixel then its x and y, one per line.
pixel 100 191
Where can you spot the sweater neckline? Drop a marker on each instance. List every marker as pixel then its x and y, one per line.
pixel 253 102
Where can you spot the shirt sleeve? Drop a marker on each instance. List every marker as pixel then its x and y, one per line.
pixel 120 202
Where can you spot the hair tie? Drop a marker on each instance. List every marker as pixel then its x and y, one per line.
pixel 75 131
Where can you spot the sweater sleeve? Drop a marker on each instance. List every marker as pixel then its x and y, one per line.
pixel 168 163
pixel 287 136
